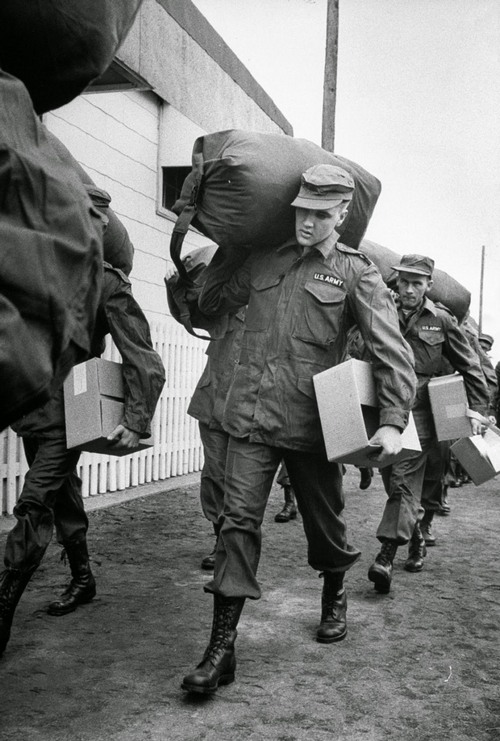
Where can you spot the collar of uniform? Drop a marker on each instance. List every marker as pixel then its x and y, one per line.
pixel 326 247
pixel 427 305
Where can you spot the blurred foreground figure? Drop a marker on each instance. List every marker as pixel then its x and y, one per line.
pixel 50 235
pixel 51 494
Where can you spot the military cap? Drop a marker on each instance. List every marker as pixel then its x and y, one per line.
pixel 324 186
pixel 418 264
pixel 486 339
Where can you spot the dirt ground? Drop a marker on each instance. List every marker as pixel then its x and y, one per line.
pixel 420 663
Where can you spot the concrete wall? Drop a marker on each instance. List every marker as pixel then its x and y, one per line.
pixel 188 64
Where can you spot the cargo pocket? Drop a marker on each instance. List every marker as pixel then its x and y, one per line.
pixel 321 318
pixel 432 350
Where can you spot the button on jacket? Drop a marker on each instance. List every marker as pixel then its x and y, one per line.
pixel 300 308
pixel 433 333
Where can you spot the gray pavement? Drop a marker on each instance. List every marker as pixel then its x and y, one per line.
pixel 420 663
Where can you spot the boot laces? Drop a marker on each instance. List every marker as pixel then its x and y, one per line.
pixel 222 630
pixel 387 553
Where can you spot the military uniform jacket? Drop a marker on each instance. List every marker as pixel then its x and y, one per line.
pixel 120 315
pixel 209 398
pixel 299 311
pixel 433 334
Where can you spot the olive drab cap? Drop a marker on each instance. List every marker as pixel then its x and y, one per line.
pixel 324 186
pixel 486 339
pixel 418 264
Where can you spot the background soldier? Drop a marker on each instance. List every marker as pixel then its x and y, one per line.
pixel 431 332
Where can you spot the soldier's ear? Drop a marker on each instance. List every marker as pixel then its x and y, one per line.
pixel 430 283
pixel 343 213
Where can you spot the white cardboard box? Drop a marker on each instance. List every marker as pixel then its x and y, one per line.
pixel 449 407
pixel 479 455
pixel 348 409
pixel 93 405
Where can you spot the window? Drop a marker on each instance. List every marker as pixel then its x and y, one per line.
pixel 172 181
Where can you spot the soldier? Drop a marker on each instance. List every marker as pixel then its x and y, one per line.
pixel 432 333
pixel 51 493
pixel 301 300
pixel 289 510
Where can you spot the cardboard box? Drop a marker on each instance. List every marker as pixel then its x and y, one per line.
pixel 449 406
pixel 348 409
pixel 479 455
pixel 93 405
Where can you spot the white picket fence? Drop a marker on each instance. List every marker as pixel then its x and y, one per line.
pixel 177 448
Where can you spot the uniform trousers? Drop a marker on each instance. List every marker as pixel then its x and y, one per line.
pixel 250 471
pixel 51 495
pixel 435 485
pixel 403 483
pixel 214 443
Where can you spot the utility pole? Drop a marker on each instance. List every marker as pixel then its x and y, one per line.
pixel 330 79
pixel 481 288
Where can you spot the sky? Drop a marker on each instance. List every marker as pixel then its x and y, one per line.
pixel 418 104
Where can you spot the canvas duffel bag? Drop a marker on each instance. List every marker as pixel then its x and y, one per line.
pixel 445 290
pixel 57 47
pixel 50 260
pixel 118 249
pixel 242 183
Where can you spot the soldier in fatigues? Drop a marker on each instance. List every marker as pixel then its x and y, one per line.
pixel 432 333
pixel 51 493
pixel 301 300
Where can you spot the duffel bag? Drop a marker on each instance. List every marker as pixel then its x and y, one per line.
pixel 117 247
pixel 242 183
pixel 50 260
pixel 57 47
pixel 446 289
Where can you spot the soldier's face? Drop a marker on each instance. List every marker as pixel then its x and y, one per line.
pixel 412 289
pixel 313 226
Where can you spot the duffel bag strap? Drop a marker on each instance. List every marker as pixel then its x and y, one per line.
pixel 185 218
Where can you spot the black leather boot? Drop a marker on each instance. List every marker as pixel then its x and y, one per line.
pixel 333 625
pixel 289 511
pixel 366 475
pixel 416 551
pixel 426 528
pixel 81 588
pixel 380 572
pixel 219 662
pixel 208 562
pixel 12 585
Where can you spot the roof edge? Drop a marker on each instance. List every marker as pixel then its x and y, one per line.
pixel 194 23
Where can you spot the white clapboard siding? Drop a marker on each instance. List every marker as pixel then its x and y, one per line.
pixel 177 448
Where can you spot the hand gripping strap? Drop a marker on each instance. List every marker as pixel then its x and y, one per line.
pixel 185 218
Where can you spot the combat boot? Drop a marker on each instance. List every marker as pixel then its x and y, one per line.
pixel 81 588
pixel 289 511
pixel 416 551
pixel 366 475
pixel 333 625
pixel 218 664
pixel 426 528
pixel 208 562
pixel 380 572
pixel 12 584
